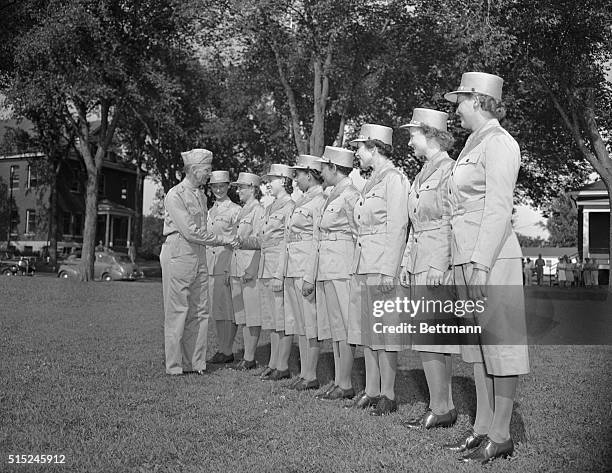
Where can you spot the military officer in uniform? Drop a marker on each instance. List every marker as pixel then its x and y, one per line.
pixel 244 267
pixel 270 275
pixel 487 261
pixel 335 235
pixel 222 221
pixel 381 214
pixel 184 270
pixel 425 266
pixel 299 256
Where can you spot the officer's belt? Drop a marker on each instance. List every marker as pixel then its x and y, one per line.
pixel 372 229
pixel 271 243
pixel 334 236
pixel 295 237
pixel 434 224
pixel 467 207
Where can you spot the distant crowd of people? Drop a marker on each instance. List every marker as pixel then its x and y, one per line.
pixel 583 273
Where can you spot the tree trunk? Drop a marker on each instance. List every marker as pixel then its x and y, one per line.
pixel 340 135
pixel 52 235
pixel 137 230
pixel 91 221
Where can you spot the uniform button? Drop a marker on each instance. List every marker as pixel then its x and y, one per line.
pixel 414 210
pixel 361 203
pixel 449 191
pixel 416 240
pixel 451 227
pixel 467 160
pixel 427 187
pixel 417 196
pixel 358 216
pixel 359 244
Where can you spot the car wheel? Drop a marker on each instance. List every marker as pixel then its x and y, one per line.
pixel 107 277
pixel 7 272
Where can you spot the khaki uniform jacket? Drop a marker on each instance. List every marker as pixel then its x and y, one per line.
pixel 429 243
pixel 335 234
pixel 381 214
pixel 222 221
pixel 299 246
pixel 185 213
pixel 480 192
pixel 270 238
pixel 249 223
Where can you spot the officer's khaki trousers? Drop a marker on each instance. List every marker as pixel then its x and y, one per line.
pixel 186 310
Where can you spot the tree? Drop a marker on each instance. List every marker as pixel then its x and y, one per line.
pixel 97 58
pixel 562 222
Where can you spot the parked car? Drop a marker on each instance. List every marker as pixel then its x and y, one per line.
pixel 13 265
pixel 108 266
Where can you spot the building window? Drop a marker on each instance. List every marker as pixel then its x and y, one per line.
pixel 124 184
pixel 14 178
pixel 32 178
pixel 30 221
pixel 75 186
pixel 14 222
pixel 78 224
pixel 102 186
pixel 67 224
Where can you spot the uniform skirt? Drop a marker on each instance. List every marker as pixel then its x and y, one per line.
pixel 245 299
pixel 333 305
pixel 368 326
pixel 300 311
pixel 502 346
pixel 221 307
pixel 272 307
pixel 420 291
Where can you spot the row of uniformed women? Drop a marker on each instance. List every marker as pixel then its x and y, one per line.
pixel 323 262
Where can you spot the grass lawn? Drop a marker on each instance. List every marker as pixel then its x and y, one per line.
pixel 82 376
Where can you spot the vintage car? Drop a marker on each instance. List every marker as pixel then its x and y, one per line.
pixel 13 265
pixel 109 266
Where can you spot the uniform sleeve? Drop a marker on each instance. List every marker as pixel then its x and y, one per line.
pixel 185 222
pixel 282 260
pixel 502 161
pixel 397 224
pixel 441 254
pixel 252 242
pixel 310 272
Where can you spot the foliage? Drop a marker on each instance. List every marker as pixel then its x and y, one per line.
pixel 152 237
pixel 530 241
pixel 562 221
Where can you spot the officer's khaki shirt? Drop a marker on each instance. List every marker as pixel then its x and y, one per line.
pixel 429 242
pixel 185 213
pixel 481 191
pixel 250 220
pixel 381 214
pixel 222 221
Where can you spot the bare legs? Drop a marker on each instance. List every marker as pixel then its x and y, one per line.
pixel 251 337
pixel 381 367
pixel 438 372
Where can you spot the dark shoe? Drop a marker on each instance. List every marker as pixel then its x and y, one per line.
pixel 490 450
pixel 339 393
pixel 363 401
pixel 429 420
pixel 219 358
pixel 266 373
pixel 384 406
pixel 278 375
pixel 245 365
pixel 198 372
pixel 330 387
pixel 453 413
pixel 468 441
pixel 307 385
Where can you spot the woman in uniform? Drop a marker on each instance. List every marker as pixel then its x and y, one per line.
pixel 244 267
pixel 335 235
pixel 428 256
pixel 382 218
pixel 300 311
pixel 487 262
pixel 222 220
pixel 270 276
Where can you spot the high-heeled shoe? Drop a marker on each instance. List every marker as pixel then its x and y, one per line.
pixel 429 420
pixel 489 450
pixel 467 441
